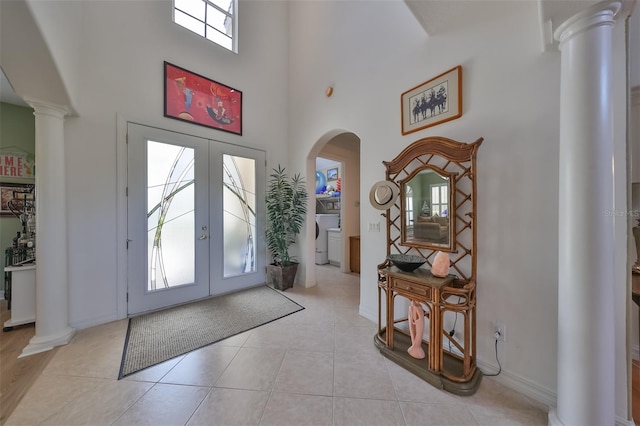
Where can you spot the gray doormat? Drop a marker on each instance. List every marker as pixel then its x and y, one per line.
pixel 159 336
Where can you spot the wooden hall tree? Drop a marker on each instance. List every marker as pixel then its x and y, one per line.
pixel 433 162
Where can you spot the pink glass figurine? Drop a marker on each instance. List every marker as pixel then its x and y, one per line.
pixel 416 328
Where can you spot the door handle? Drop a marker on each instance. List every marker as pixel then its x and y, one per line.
pixel 203 237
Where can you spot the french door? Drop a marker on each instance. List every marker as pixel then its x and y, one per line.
pixel 194 218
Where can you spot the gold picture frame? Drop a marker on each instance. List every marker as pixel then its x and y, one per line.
pixel 433 102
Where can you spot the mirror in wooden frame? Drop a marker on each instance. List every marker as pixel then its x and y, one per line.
pixel 427 209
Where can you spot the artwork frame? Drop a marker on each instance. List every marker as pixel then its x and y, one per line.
pixel 7 191
pixel 435 101
pixel 196 99
pixel 332 174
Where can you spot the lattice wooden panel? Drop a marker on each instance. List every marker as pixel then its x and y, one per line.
pixel 457 160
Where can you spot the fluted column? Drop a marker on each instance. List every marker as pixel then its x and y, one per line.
pixel 586 323
pixel 52 293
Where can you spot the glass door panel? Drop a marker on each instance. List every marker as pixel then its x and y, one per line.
pixel 237 206
pixel 171 215
pixel 239 214
pixel 168 218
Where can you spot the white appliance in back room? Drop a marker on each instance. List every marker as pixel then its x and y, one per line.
pixel 324 221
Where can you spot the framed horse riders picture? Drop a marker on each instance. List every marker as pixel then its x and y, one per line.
pixel 432 102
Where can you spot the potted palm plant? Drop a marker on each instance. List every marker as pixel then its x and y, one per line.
pixel 286 212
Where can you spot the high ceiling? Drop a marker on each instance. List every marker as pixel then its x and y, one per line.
pixel 441 17
pixel 7 95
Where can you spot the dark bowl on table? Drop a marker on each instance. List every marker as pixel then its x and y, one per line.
pixel 407 262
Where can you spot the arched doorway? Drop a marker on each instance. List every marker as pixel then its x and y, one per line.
pixel 343 147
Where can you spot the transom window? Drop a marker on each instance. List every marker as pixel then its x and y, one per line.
pixel 214 20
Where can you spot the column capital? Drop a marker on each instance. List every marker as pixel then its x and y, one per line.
pixel 47 108
pixel 603 13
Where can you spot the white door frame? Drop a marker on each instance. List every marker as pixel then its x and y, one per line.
pixel 121 208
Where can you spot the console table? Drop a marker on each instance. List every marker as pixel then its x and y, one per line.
pixel 444 369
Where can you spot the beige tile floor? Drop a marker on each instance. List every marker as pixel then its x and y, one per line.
pixel 316 367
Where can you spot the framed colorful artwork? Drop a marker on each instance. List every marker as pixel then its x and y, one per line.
pixel 432 102
pixel 199 100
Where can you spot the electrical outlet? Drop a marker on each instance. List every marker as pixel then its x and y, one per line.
pixel 499 331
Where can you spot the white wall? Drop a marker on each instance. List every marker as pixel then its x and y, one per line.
pixel 511 98
pixel 26 57
pixel 62 23
pixel 120 74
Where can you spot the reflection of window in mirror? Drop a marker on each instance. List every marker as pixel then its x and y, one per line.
pixel 409 205
pixel 440 199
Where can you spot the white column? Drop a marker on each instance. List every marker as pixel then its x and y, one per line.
pixel 52 294
pixel 586 338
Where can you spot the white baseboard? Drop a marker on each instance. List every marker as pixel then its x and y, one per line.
pixel 520 384
pixel 624 422
pixel 370 314
pixel 555 421
pixel 94 321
